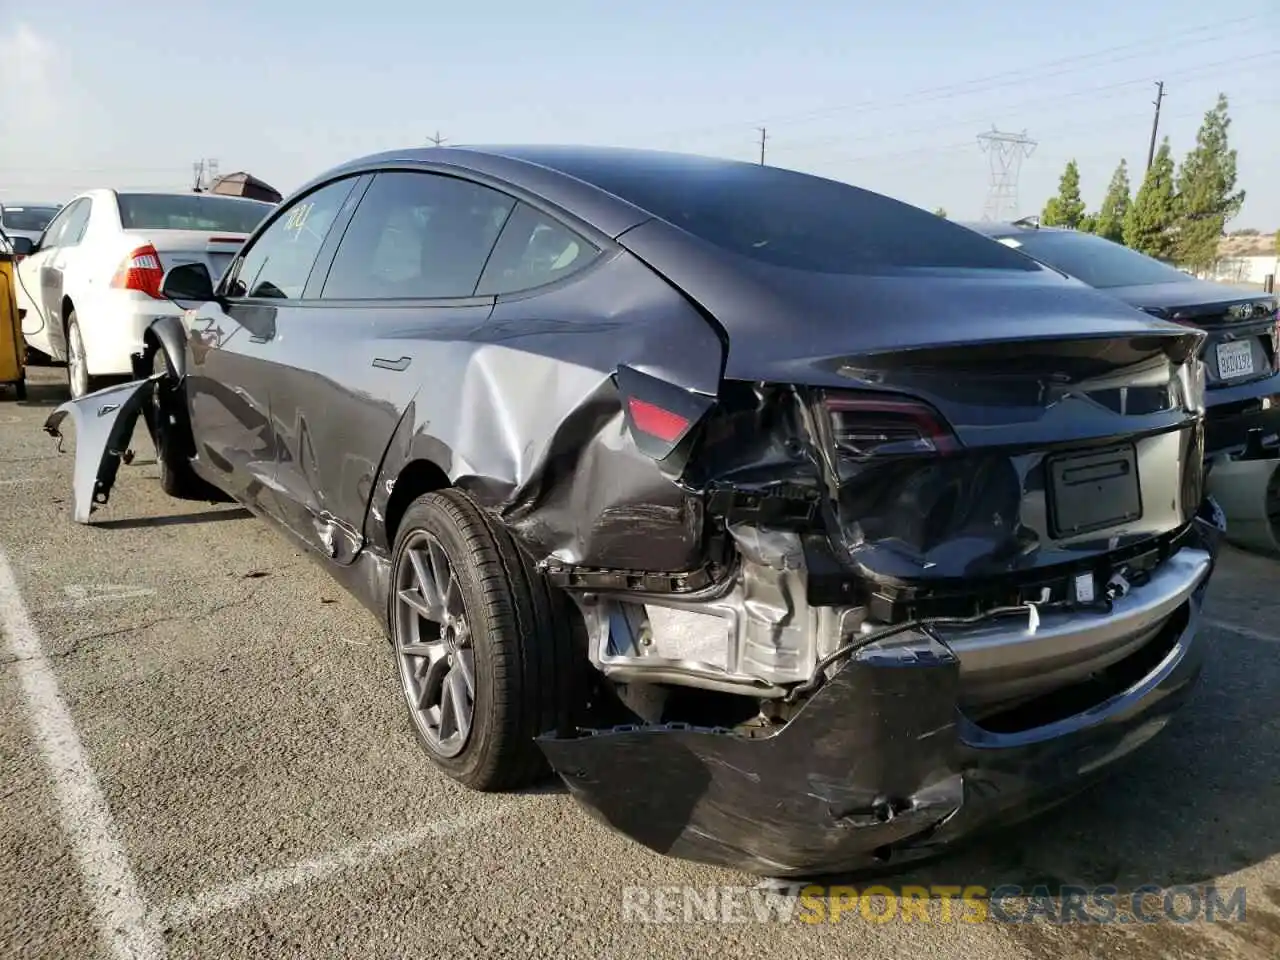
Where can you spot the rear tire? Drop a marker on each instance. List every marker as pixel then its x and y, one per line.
pixel 504 635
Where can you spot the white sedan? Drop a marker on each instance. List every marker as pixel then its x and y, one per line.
pixel 91 285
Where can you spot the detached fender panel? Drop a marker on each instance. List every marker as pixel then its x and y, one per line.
pixel 104 423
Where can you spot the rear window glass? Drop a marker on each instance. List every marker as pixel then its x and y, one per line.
pixel 33 219
pixel 159 211
pixel 1098 262
pixel 790 219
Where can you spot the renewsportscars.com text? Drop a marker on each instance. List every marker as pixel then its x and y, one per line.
pixel 814 904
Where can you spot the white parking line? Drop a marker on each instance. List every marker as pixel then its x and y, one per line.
pixel 232 896
pixel 1242 631
pixel 110 886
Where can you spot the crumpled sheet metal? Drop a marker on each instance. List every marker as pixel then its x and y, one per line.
pixel 878 766
pixel 104 423
pixel 543 444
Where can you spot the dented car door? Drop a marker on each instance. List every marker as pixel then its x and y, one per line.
pixel 234 348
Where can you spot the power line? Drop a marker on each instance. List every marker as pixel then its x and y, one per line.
pixel 1162 45
pixel 1155 123
pixel 1188 72
pixel 1006 152
pixel 1091 125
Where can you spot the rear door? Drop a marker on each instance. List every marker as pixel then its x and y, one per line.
pixel 234 355
pixel 395 306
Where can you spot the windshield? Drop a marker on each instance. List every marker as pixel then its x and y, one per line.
pixel 30 219
pixel 161 211
pixel 785 218
pixel 1098 262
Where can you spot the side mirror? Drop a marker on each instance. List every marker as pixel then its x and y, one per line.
pixel 22 246
pixel 188 281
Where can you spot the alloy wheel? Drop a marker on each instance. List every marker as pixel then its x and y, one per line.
pixel 433 645
pixel 77 365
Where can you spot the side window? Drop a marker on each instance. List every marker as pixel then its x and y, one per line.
pixel 417 235
pixel 533 250
pixel 53 231
pixel 76 223
pixel 280 260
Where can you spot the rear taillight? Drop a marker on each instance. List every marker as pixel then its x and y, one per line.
pixel 140 270
pixel 659 414
pixel 868 426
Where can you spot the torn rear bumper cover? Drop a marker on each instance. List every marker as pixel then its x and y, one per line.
pixel 881 764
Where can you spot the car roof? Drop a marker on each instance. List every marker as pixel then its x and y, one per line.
pixel 561 174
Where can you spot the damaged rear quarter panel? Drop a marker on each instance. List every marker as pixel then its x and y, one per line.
pixel 526 417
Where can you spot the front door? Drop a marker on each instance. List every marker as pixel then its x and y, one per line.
pixel 233 348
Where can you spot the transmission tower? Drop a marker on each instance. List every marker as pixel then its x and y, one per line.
pixel 1006 152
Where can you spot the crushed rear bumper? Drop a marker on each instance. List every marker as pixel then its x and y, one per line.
pixel 881 764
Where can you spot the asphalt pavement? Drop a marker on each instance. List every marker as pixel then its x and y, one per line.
pixel 203 754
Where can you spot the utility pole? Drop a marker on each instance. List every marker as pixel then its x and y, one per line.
pixel 1155 123
pixel 763 137
pixel 205 172
pixel 437 140
pixel 1006 152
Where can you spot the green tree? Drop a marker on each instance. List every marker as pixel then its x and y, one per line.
pixel 1207 194
pixel 1066 209
pixel 1110 221
pixel 1149 221
pixel 942 212
pixel 1088 223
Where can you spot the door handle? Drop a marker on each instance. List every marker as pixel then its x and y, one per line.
pixel 399 366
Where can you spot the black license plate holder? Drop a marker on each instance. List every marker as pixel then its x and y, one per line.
pixel 1093 491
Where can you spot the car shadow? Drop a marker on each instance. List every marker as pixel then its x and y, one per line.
pixel 205 516
pixel 1195 804
pixel 45 394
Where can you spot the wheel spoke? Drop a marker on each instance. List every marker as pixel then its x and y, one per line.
pixel 433 650
pixel 428 586
pixel 420 605
pixel 441 574
pixel 457 691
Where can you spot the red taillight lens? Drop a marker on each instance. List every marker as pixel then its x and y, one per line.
pixel 659 414
pixel 650 418
pixel 877 426
pixel 140 270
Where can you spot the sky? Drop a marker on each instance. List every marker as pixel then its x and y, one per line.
pixel 889 96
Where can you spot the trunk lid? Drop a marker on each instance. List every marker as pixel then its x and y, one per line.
pixel 1069 426
pixel 1242 343
pixel 174 247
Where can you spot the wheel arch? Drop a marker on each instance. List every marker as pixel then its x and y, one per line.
pixel 170 335
pixel 415 478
